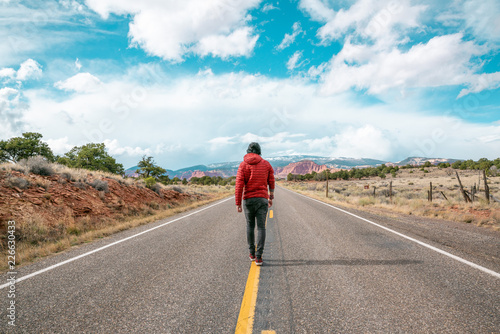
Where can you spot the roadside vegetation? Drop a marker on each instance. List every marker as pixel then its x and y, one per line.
pixel 410 192
pixel 61 201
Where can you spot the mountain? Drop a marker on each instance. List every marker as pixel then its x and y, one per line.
pixel 301 167
pixel 295 164
pixel 417 161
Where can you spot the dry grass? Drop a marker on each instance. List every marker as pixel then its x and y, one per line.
pixel 410 195
pixel 38 241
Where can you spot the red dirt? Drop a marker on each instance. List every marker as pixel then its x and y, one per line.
pixel 60 199
pixel 477 213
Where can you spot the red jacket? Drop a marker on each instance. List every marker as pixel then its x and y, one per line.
pixel 254 175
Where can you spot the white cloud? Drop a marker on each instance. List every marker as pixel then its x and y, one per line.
pixel 479 82
pixel 60 145
pixel 366 141
pixel 172 29
pixel 289 39
pixel 379 20
pixel 78 65
pixel 268 7
pixel 222 140
pixel 11 112
pixel 318 10
pixel 374 35
pixel 482 16
pixel 115 149
pixel 444 60
pixel 239 43
pixel 81 82
pixel 6 92
pixel 174 120
pixel 292 62
pixel 29 69
pixel 7 73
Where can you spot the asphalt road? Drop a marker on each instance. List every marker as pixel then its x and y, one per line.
pixel 324 272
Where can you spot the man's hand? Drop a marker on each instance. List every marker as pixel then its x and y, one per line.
pixel 270 203
pixel 239 208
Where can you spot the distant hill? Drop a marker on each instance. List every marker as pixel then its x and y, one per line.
pixel 295 164
pixel 417 161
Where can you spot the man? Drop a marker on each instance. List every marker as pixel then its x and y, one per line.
pixel 252 180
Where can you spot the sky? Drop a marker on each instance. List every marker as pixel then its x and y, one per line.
pixel 195 81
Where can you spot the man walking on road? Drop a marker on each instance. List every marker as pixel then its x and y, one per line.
pixel 254 176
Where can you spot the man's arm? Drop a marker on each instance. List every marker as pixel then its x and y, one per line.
pixel 271 182
pixel 240 184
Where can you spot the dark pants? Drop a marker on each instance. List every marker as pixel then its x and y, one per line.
pixel 256 209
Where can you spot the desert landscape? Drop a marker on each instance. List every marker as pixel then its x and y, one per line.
pixel 410 194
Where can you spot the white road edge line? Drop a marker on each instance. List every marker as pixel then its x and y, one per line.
pixel 109 245
pixel 473 265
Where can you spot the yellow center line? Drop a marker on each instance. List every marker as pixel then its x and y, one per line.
pixel 247 310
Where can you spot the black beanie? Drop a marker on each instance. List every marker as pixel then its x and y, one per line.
pixel 254 148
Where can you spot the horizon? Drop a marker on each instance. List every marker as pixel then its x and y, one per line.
pixel 298 155
pixel 359 78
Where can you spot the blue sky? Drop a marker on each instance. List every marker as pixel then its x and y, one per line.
pixel 193 82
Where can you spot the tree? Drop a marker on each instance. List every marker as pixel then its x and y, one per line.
pixel 29 145
pixel 164 179
pixel 93 157
pixel 148 167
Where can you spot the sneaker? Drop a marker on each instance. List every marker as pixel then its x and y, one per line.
pixel 258 261
pixel 252 257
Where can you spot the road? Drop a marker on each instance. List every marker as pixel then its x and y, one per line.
pixel 324 271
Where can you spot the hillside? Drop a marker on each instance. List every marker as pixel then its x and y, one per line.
pixel 74 201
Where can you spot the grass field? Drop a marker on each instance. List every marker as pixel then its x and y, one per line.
pixel 410 195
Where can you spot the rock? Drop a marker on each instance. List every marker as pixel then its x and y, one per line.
pixel 36 201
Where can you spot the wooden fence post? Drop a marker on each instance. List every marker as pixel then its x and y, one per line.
pixel 326 173
pixel 486 188
pixel 466 198
pixel 430 192
pixel 390 190
pixel 446 198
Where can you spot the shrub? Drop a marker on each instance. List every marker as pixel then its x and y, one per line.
pixel 19 168
pixel 38 165
pixel 18 182
pixel 100 185
pixel 67 176
pixel 178 189
pixel 80 185
pixel 366 201
pixel 150 182
pixel 156 188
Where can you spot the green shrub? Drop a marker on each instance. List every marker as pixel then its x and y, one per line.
pixel 150 182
